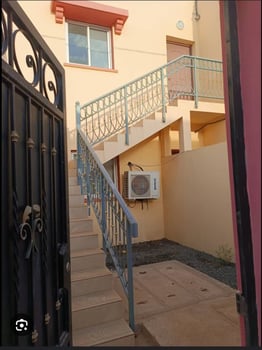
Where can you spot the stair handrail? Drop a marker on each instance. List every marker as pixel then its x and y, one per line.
pixel 187 76
pixel 117 224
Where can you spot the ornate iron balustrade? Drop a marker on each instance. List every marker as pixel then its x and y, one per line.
pixel 116 222
pixel 187 77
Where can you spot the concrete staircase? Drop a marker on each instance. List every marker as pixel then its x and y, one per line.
pixel 97 310
pixel 153 124
pixel 138 132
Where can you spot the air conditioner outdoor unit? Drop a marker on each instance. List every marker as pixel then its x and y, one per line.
pixel 141 185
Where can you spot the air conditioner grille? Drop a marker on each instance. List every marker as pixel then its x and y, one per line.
pixel 140 184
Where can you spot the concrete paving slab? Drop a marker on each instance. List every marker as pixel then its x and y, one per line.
pixel 180 306
pixel 197 283
pixel 165 291
pixel 195 325
pixel 227 308
pixel 146 304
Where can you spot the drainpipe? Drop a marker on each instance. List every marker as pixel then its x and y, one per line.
pixel 196 14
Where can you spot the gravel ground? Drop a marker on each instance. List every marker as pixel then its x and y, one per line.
pixel 162 250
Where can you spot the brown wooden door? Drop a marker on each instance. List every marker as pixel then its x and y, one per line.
pixel 175 50
pixel 179 76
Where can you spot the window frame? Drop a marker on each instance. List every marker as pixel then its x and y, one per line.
pixel 89 26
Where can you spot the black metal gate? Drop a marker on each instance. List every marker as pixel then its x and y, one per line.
pixel 35 261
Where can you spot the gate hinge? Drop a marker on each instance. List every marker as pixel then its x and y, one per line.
pixel 241 304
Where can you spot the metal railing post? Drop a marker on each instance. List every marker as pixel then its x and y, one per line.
pixel 103 210
pixel 78 122
pixel 88 185
pixel 163 96
pixel 126 117
pixel 195 82
pixel 130 279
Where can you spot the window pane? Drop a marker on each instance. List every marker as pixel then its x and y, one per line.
pixel 77 44
pixel 99 48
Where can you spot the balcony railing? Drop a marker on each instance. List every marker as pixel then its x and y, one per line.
pixel 115 220
pixel 186 77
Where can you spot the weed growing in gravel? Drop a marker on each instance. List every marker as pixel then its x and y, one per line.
pixel 225 254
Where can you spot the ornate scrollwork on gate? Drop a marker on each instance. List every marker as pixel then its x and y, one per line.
pixel 23 51
pixel 31 224
pixel 4 34
pixel 22 41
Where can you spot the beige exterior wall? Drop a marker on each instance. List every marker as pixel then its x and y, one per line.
pixel 149 214
pixel 197 206
pixel 207 35
pixel 194 207
pixel 212 134
pixel 140 48
pixel 174 140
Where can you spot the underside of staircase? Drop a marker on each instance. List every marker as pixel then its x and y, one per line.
pixel 97 309
pixel 137 133
pixel 177 117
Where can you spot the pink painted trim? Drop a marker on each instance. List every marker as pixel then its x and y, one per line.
pixel 249 32
pixel 59 14
pixel 90 12
pixel 119 26
pixel 230 165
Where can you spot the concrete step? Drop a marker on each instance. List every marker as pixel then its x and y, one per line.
pixel 71 172
pixel 72 181
pixel 81 225
pixel 78 212
pixel 96 308
pixel 114 333
pixel 74 189
pixel 79 241
pixel 72 164
pixel 87 259
pixel 86 282
pixel 76 200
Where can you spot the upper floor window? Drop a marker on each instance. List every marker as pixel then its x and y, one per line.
pixel 89 45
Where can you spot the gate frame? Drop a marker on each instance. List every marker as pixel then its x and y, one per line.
pixel 246 298
pixel 36 90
